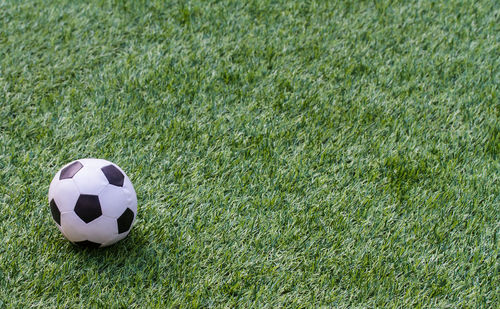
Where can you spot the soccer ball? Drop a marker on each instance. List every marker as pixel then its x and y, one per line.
pixel 92 202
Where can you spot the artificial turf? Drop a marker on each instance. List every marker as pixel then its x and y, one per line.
pixel 284 153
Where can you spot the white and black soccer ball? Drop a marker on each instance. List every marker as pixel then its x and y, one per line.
pixel 92 202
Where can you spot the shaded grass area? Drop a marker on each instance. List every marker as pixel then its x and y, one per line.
pixel 285 153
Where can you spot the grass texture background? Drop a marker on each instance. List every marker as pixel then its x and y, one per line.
pixel 285 153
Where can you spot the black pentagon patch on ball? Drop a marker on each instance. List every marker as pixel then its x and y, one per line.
pixel 87 244
pixel 125 220
pixel 56 214
pixel 70 170
pixel 88 207
pixel 114 176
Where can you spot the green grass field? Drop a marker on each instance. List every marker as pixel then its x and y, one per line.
pixel 284 153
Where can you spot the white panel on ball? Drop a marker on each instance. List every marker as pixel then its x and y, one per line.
pixel 73 227
pixel 65 194
pixel 115 240
pixel 94 163
pixel 90 180
pixel 127 184
pixel 114 200
pixel 101 230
